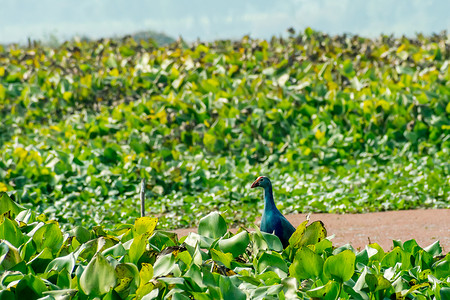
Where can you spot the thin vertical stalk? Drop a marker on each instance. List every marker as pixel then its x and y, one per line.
pixel 143 197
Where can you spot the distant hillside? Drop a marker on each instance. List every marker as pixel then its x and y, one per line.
pixel 160 38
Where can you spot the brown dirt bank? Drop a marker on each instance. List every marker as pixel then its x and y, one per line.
pixel 424 225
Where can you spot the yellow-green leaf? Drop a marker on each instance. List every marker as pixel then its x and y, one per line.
pixel 145 225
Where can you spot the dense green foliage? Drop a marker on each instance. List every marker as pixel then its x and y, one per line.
pixel 340 124
pixel 39 260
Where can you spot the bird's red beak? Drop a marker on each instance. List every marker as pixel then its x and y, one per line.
pixel 255 183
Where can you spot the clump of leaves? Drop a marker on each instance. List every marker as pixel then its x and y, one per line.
pixel 135 261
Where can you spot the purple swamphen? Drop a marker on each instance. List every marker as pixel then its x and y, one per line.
pixel 272 220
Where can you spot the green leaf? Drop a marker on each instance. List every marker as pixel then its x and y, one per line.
pixel 128 279
pixel 314 233
pixel 444 292
pixel 296 237
pixel 306 264
pixel 39 262
pixel 272 241
pixel 98 278
pixel 10 231
pixel 376 282
pixel 328 291
pixel 66 262
pixel 110 155
pixel 308 235
pixel 30 287
pixel 411 246
pixel 225 258
pixel 137 248
pixel 81 234
pixel 434 249
pixel 48 236
pixel 145 225
pixel 348 69
pixel 377 255
pixel 146 273
pixel 271 260
pixel 9 256
pixel 64 279
pixel 321 246
pixel 235 245
pixel 340 267
pixel 213 226
pixel 392 258
pixel 7 204
pixel 179 296
pixel 441 269
pixel 164 265
pixel 423 259
pixel 116 250
pixel 60 294
pixel 361 282
pixel 229 290
pixel 5 294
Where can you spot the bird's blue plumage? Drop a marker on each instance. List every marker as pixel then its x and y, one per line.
pixel 272 220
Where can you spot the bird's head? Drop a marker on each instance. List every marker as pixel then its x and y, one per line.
pixel 261 181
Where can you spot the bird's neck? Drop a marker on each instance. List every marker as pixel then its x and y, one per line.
pixel 269 204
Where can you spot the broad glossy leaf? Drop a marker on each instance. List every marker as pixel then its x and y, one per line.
pixel 441 269
pixel 375 255
pixel 397 255
pixel 376 282
pixel 82 234
pixel 225 258
pixel 327 291
pixel 271 260
pixel 272 241
pixel 30 287
pixel 314 233
pixel 116 250
pixel 9 256
pixel 7 295
pixel 444 292
pixel 306 264
pixel 235 245
pixel 128 279
pixel 323 245
pixel 48 236
pixel 229 290
pixel 63 262
pixel 10 231
pixel 411 246
pixel 145 225
pixel 137 248
pixel 213 226
pixel 146 273
pixel 341 266
pixel 164 265
pixel 434 249
pixel 61 294
pixel 7 204
pixel 202 241
pixel 296 237
pixel 98 278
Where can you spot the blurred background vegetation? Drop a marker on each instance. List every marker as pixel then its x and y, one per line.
pixel 339 123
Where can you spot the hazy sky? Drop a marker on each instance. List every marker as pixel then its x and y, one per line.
pixel 210 20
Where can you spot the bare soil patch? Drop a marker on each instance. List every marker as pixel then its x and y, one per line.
pixel 424 225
